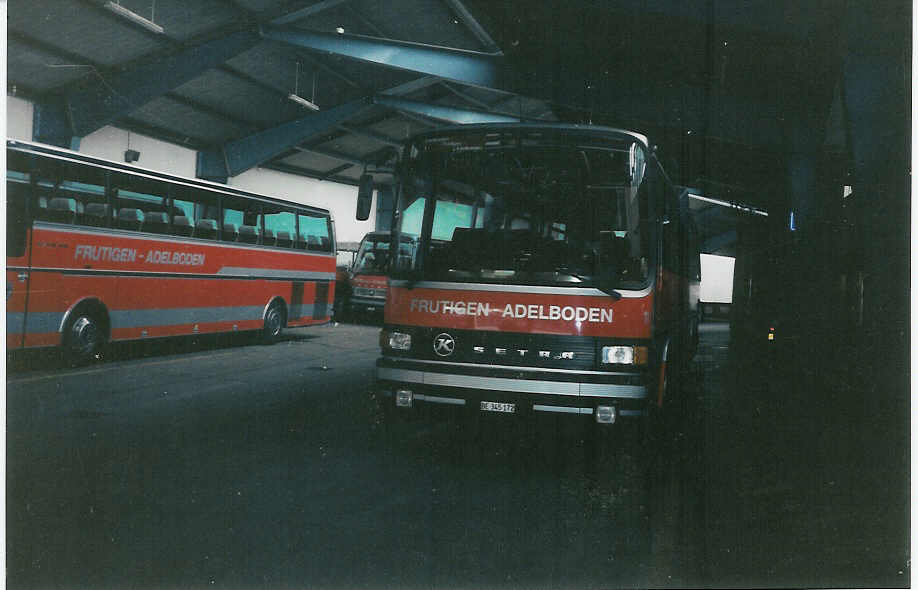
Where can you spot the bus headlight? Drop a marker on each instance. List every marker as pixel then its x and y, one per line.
pixel 624 355
pixel 399 341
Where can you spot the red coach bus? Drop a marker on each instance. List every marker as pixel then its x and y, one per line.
pixel 556 271
pixel 99 251
pixel 368 279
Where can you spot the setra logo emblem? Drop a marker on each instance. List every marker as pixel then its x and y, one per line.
pixel 444 344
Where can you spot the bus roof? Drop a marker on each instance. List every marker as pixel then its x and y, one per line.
pixel 571 128
pixel 63 153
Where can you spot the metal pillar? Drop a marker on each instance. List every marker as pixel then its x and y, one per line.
pixel 384 206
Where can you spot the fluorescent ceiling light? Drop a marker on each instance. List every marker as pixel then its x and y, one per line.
pixel 133 17
pixel 303 102
pixel 739 206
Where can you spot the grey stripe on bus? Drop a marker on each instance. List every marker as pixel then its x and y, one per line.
pixel 159 274
pixel 277 273
pixel 146 236
pixel 41 322
pixel 512 385
pixel 512 367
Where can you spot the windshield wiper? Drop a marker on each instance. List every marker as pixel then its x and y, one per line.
pixel 608 290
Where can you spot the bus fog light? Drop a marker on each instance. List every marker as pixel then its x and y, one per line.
pixel 399 341
pixel 403 398
pixel 618 355
pixel 606 414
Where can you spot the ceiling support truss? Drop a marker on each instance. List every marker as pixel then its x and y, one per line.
pixel 78 113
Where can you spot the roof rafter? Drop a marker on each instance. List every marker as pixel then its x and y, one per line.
pixel 83 110
pixel 469 67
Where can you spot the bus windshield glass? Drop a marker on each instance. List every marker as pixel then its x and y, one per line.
pixel 373 255
pixel 374 252
pixel 526 206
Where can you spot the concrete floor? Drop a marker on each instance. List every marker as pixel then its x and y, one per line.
pixel 224 462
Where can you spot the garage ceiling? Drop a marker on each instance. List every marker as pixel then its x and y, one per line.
pixel 731 92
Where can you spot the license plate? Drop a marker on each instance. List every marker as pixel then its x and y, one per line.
pixel 498 407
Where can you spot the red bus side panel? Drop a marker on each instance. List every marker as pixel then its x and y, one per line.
pixel 513 311
pixel 163 286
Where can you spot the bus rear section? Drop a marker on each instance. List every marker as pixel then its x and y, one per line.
pixel 541 281
pixel 105 252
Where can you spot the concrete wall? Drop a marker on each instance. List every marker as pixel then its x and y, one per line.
pixel 716 279
pixel 340 199
pixel 111 143
pixel 18 118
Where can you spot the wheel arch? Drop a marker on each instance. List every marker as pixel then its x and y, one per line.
pixel 283 304
pixel 93 303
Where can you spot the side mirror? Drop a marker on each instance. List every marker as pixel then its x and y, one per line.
pixel 364 197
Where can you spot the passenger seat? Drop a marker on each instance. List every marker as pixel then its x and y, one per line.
pixel 248 234
pixel 62 210
pixel 205 228
pixel 181 226
pixel 98 214
pixel 130 218
pixel 156 222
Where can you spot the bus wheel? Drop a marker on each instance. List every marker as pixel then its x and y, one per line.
pixel 274 323
pixel 84 338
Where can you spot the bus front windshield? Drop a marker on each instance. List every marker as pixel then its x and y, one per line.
pixel 373 255
pixel 526 207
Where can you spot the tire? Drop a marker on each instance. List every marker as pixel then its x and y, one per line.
pixel 83 338
pixel 275 321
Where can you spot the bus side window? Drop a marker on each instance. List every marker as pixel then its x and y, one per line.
pixel 314 233
pixel 140 203
pixel 195 213
pixel 17 222
pixel 280 224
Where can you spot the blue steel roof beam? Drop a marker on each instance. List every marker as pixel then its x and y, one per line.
pixel 463 14
pixel 242 154
pixel 253 150
pixel 85 111
pixel 441 112
pixel 469 67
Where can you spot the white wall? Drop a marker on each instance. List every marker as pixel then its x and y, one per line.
pixel 111 143
pixel 18 118
pixel 340 199
pixel 716 279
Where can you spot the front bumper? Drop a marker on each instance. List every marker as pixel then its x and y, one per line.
pixel 366 304
pixel 531 390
